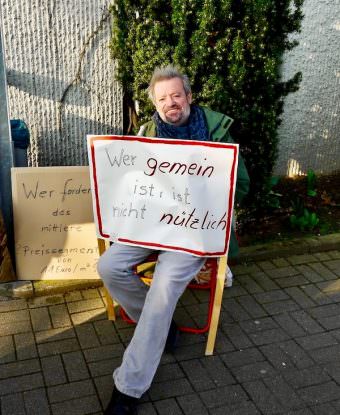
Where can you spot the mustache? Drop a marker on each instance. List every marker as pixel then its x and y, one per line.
pixel 173 107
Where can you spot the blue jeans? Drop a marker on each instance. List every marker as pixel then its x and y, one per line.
pixel 152 308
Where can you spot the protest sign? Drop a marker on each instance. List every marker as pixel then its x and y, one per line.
pixel 163 193
pixel 55 235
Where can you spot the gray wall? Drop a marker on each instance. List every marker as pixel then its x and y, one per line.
pixel 309 134
pixel 60 75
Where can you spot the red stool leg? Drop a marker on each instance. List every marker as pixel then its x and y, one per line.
pixel 125 317
pixel 212 286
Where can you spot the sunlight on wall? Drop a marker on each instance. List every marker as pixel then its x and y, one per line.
pixel 293 168
pixel 336 26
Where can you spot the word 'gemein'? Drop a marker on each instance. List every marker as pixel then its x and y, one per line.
pixel 192 169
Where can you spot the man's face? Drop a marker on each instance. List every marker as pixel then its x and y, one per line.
pixel 171 101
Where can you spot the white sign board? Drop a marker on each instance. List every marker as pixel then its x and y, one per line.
pixel 163 193
pixel 55 236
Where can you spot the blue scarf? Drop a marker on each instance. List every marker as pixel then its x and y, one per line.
pixel 194 129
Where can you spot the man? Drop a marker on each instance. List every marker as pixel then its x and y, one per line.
pixel 153 308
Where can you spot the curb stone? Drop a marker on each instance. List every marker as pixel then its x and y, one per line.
pixel 261 252
pixel 62 286
pixel 17 289
pixel 29 289
pixel 297 246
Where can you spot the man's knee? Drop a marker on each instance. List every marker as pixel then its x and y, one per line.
pixel 168 290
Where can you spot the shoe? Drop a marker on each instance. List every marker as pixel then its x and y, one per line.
pixel 121 404
pixel 172 339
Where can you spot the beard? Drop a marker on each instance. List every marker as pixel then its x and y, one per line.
pixel 178 119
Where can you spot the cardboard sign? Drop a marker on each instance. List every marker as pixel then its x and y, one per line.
pixel 163 193
pixel 55 236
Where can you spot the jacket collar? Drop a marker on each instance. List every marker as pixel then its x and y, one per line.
pixel 218 123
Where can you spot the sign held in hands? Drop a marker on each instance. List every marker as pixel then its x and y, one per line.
pixel 163 193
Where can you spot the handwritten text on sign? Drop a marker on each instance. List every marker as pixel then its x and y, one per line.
pixel 55 236
pixel 162 193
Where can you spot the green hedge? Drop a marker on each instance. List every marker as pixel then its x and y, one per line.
pixel 232 51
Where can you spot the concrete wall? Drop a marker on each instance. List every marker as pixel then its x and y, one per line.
pixel 60 75
pixel 309 134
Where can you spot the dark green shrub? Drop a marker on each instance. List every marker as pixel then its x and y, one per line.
pixel 232 51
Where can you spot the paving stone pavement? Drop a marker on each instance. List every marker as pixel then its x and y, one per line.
pixel 277 351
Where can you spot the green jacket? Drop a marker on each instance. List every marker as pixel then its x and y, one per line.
pixel 218 127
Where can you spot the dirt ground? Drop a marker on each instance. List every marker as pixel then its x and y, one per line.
pixel 274 223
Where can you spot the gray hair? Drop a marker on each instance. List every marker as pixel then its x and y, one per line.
pixel 167 72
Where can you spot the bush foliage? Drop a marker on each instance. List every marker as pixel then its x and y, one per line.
pixel 232 51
